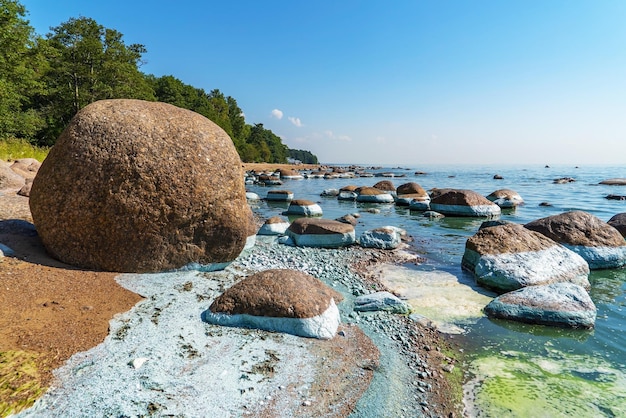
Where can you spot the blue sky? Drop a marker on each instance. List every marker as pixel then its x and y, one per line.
pixel 402 82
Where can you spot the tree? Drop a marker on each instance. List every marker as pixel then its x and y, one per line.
pixel 19 80
pixel 89 62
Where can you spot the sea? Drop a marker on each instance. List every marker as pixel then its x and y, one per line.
pixel 513 369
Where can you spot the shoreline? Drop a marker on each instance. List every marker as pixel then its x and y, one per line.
pixel 79 298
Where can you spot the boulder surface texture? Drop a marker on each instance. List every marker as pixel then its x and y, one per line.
pixel 461 202
pixel 136 186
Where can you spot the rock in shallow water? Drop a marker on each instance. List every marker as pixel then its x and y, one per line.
pixel 508 257
pixel 557 304
pixel 600 244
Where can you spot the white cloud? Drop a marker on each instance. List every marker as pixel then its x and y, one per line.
pixel 295 121
pixel 331 135
pixel 278 114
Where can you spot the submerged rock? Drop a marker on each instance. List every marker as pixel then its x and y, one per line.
pixel 601 245
pixel 279 300
pixel 464 203
pixel 556 304
pixel 137 186
pixel 510 257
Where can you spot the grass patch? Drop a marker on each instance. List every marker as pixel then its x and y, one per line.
pixel 19 381
pixel 14 149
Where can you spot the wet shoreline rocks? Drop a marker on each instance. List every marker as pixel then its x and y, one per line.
pixel 318 232
pixel 509 257
pixel 600 244
pixel 558 304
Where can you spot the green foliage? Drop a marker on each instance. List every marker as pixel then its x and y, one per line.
pixel 305 157
pixel 45 81
pixel 14 149
pixel 88 63
pixel 19 80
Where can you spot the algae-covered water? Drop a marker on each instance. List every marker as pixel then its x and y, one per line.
pixel 515 370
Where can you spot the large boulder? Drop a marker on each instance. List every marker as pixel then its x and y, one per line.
pixel 279 195
pixel 557 304
pixel 316 232
pixel 136 186
pixel 279 300
pixel 289 174
pixel 509 257
pixel 601 245
pixel 458 202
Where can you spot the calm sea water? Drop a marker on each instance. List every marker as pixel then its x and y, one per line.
pixel 514 369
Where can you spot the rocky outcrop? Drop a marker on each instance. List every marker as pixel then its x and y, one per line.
pixel 286 301
pixel 510 257
pixel 601 245
pixel 303 207
pixel 384 238
pixel 316 232
pixel 558 304
pixel 506 198
pixel 373 195
pixel 460 202
pixel 274 226
pixel 619 222
pixel 136 186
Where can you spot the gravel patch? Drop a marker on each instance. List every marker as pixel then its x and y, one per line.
pixel 160 359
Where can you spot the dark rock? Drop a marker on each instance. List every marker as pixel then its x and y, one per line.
pixel 506 198
pixel 619 222
pixel 614 182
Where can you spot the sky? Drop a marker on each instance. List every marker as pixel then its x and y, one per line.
pixel 404 82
